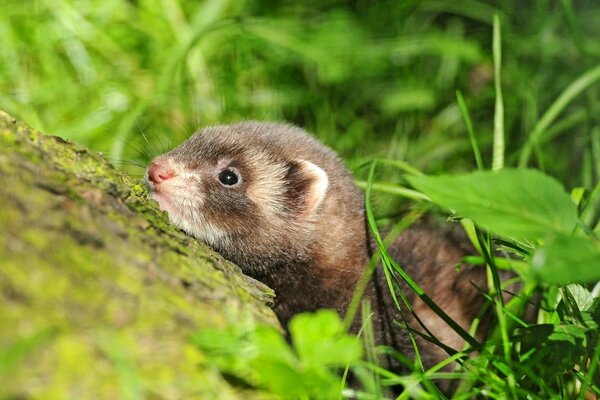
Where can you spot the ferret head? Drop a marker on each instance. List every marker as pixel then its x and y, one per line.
pixel 253 191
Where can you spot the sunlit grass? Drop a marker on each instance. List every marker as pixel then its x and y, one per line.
pixel 379 81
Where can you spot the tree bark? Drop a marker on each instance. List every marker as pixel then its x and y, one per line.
pixel 98 292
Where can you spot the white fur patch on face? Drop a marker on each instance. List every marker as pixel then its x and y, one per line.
pixel 180 197
pixel 267 188
pixel 195 225
pixel 318 188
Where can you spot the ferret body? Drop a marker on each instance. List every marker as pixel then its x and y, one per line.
pixel 283 207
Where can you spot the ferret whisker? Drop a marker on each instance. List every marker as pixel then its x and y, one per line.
pixel 139 126
pixel 133 163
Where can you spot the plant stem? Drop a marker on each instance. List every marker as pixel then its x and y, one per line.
pixel 498 149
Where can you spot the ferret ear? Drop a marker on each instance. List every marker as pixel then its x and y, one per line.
pixel 306 186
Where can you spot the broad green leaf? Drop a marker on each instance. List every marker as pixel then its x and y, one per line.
pixel 272 345
pixel 521 203
pixel 262 357
pixel 231 350
pixel 565 259
pixel 320 339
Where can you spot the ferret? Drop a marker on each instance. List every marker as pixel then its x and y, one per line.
pixel 283 207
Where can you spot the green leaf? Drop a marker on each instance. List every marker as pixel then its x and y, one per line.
pixel 260 356
pixel 232 350
pixel 271 345
pixel 544 345
pixel 518 203
pixel 564 259
pixel 582 297
pixel 320 339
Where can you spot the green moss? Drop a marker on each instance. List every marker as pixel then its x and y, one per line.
pixel 7 137
pixel 87 256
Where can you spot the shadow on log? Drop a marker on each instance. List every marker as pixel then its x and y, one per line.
pixel 98 292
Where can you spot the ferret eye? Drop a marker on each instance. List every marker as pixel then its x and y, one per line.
pixel 228 177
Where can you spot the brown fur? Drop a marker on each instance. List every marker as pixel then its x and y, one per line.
pixel 312 258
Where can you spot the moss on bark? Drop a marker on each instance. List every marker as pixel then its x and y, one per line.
pixel 98 292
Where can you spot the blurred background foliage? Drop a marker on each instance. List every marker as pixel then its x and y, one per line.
pixel 370 78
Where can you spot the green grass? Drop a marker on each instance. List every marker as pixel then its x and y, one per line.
pixel 410 89
pixel 369 80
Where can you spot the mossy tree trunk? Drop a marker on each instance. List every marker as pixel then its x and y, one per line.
pixel 98 293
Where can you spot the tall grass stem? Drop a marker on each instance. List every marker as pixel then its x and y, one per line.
pixel 469 124
pixel 498 148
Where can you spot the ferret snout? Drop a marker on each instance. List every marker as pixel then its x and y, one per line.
pixel 160 170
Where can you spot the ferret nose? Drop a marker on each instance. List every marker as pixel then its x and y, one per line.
pixel 159 171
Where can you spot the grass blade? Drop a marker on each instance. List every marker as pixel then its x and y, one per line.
pixel 409 281
pixel 573 90
pixel 465 114
pixel 396 190
pixel 498 149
